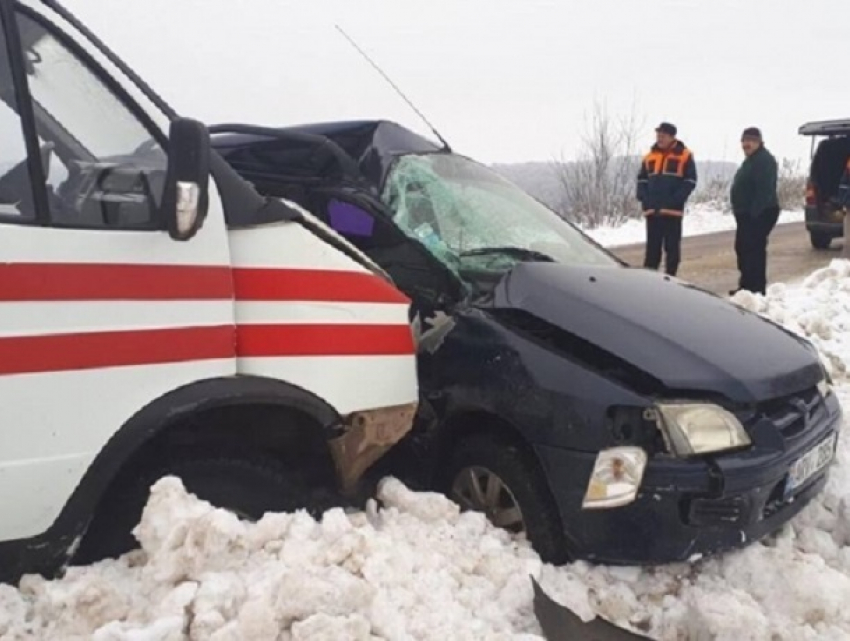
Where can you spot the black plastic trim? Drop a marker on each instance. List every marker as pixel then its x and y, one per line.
pixel 15 53
pixel 346 162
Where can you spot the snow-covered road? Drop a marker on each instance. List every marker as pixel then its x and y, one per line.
pixel 699 219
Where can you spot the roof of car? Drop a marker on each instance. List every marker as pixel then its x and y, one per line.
pixel 825 127
pixel 371 144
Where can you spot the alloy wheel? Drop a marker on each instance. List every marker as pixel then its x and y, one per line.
pixel 481 490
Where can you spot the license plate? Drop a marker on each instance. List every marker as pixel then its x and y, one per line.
pixel 810 463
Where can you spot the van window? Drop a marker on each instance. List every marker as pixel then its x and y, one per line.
pixel 105 169
pixel 16 199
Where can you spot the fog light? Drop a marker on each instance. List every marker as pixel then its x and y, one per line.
pixel 616 478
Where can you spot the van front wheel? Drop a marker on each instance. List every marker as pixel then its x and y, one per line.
pixel 248 487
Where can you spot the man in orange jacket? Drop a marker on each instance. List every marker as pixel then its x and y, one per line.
pixel 667 177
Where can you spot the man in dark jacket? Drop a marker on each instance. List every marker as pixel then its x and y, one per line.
pixel 756 208
pixel 667 177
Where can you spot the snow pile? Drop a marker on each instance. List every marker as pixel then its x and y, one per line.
pixel 818 309
pixel 416 568
pixel 698 220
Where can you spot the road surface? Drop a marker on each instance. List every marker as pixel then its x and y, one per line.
pixel 709 260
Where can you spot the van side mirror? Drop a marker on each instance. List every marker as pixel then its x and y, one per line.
pixel 186 197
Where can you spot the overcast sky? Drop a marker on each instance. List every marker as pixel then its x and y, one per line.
pixel 504 81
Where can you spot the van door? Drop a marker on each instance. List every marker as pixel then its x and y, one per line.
pixel 101 312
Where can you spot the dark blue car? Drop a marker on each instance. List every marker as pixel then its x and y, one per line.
pixel 608 413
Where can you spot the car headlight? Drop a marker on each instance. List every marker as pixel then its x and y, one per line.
pixel 616 478
pixel 691 429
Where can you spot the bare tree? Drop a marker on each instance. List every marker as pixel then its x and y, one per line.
pixel 599 186
pixel 790 188
pixel 713 191
pixel 791 185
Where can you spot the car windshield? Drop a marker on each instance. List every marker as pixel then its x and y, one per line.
pixel 470 217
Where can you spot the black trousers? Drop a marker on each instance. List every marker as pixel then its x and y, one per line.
pixel 663 232
pixel 751 248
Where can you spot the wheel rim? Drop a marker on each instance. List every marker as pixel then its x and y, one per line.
pixel 481 490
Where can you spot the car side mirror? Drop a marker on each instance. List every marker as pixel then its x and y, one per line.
pixel 186 198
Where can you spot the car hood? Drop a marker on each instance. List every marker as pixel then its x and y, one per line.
pixel 689 340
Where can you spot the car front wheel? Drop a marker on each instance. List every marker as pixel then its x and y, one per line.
pixel 500 479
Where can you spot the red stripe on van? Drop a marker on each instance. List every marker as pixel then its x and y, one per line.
pixel 324 340
pixel 313 285
pixel 94 350
pixel 31 282
pixel 42 282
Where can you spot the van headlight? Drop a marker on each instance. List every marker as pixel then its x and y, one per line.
pixel 691 429
pixel 616 478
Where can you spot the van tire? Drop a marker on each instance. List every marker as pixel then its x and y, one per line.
pixel 523 478
pixel 820 240
pixel 248 486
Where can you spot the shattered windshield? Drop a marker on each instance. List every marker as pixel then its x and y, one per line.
pixel 469 216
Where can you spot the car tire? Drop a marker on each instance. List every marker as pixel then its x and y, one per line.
pixel 523 482
pixel 249 486
pixel 820 240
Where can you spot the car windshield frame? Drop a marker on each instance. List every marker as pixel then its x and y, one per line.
pixel 470 217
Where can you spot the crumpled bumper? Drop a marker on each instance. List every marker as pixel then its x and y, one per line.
pixel 686 507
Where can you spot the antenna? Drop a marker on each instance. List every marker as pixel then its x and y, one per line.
pixel 394 86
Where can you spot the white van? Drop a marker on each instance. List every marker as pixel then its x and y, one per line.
pixel 155 321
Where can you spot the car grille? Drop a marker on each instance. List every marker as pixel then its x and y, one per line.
pixel 725 511
pixel 792 415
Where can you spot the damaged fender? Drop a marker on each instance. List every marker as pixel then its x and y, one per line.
pixel 366 437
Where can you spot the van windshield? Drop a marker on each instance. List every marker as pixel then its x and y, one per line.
pixel 470 217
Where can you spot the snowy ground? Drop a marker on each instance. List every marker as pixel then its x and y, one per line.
pixel 698 220
pixel 417 569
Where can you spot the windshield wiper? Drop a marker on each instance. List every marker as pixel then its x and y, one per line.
pixel 515 252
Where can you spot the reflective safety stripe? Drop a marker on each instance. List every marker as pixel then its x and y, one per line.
pixel 667 163
pixel 663 212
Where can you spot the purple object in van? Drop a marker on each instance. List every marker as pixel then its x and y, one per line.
pixel 346 218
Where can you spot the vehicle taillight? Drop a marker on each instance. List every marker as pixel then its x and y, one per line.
pixel 811 194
